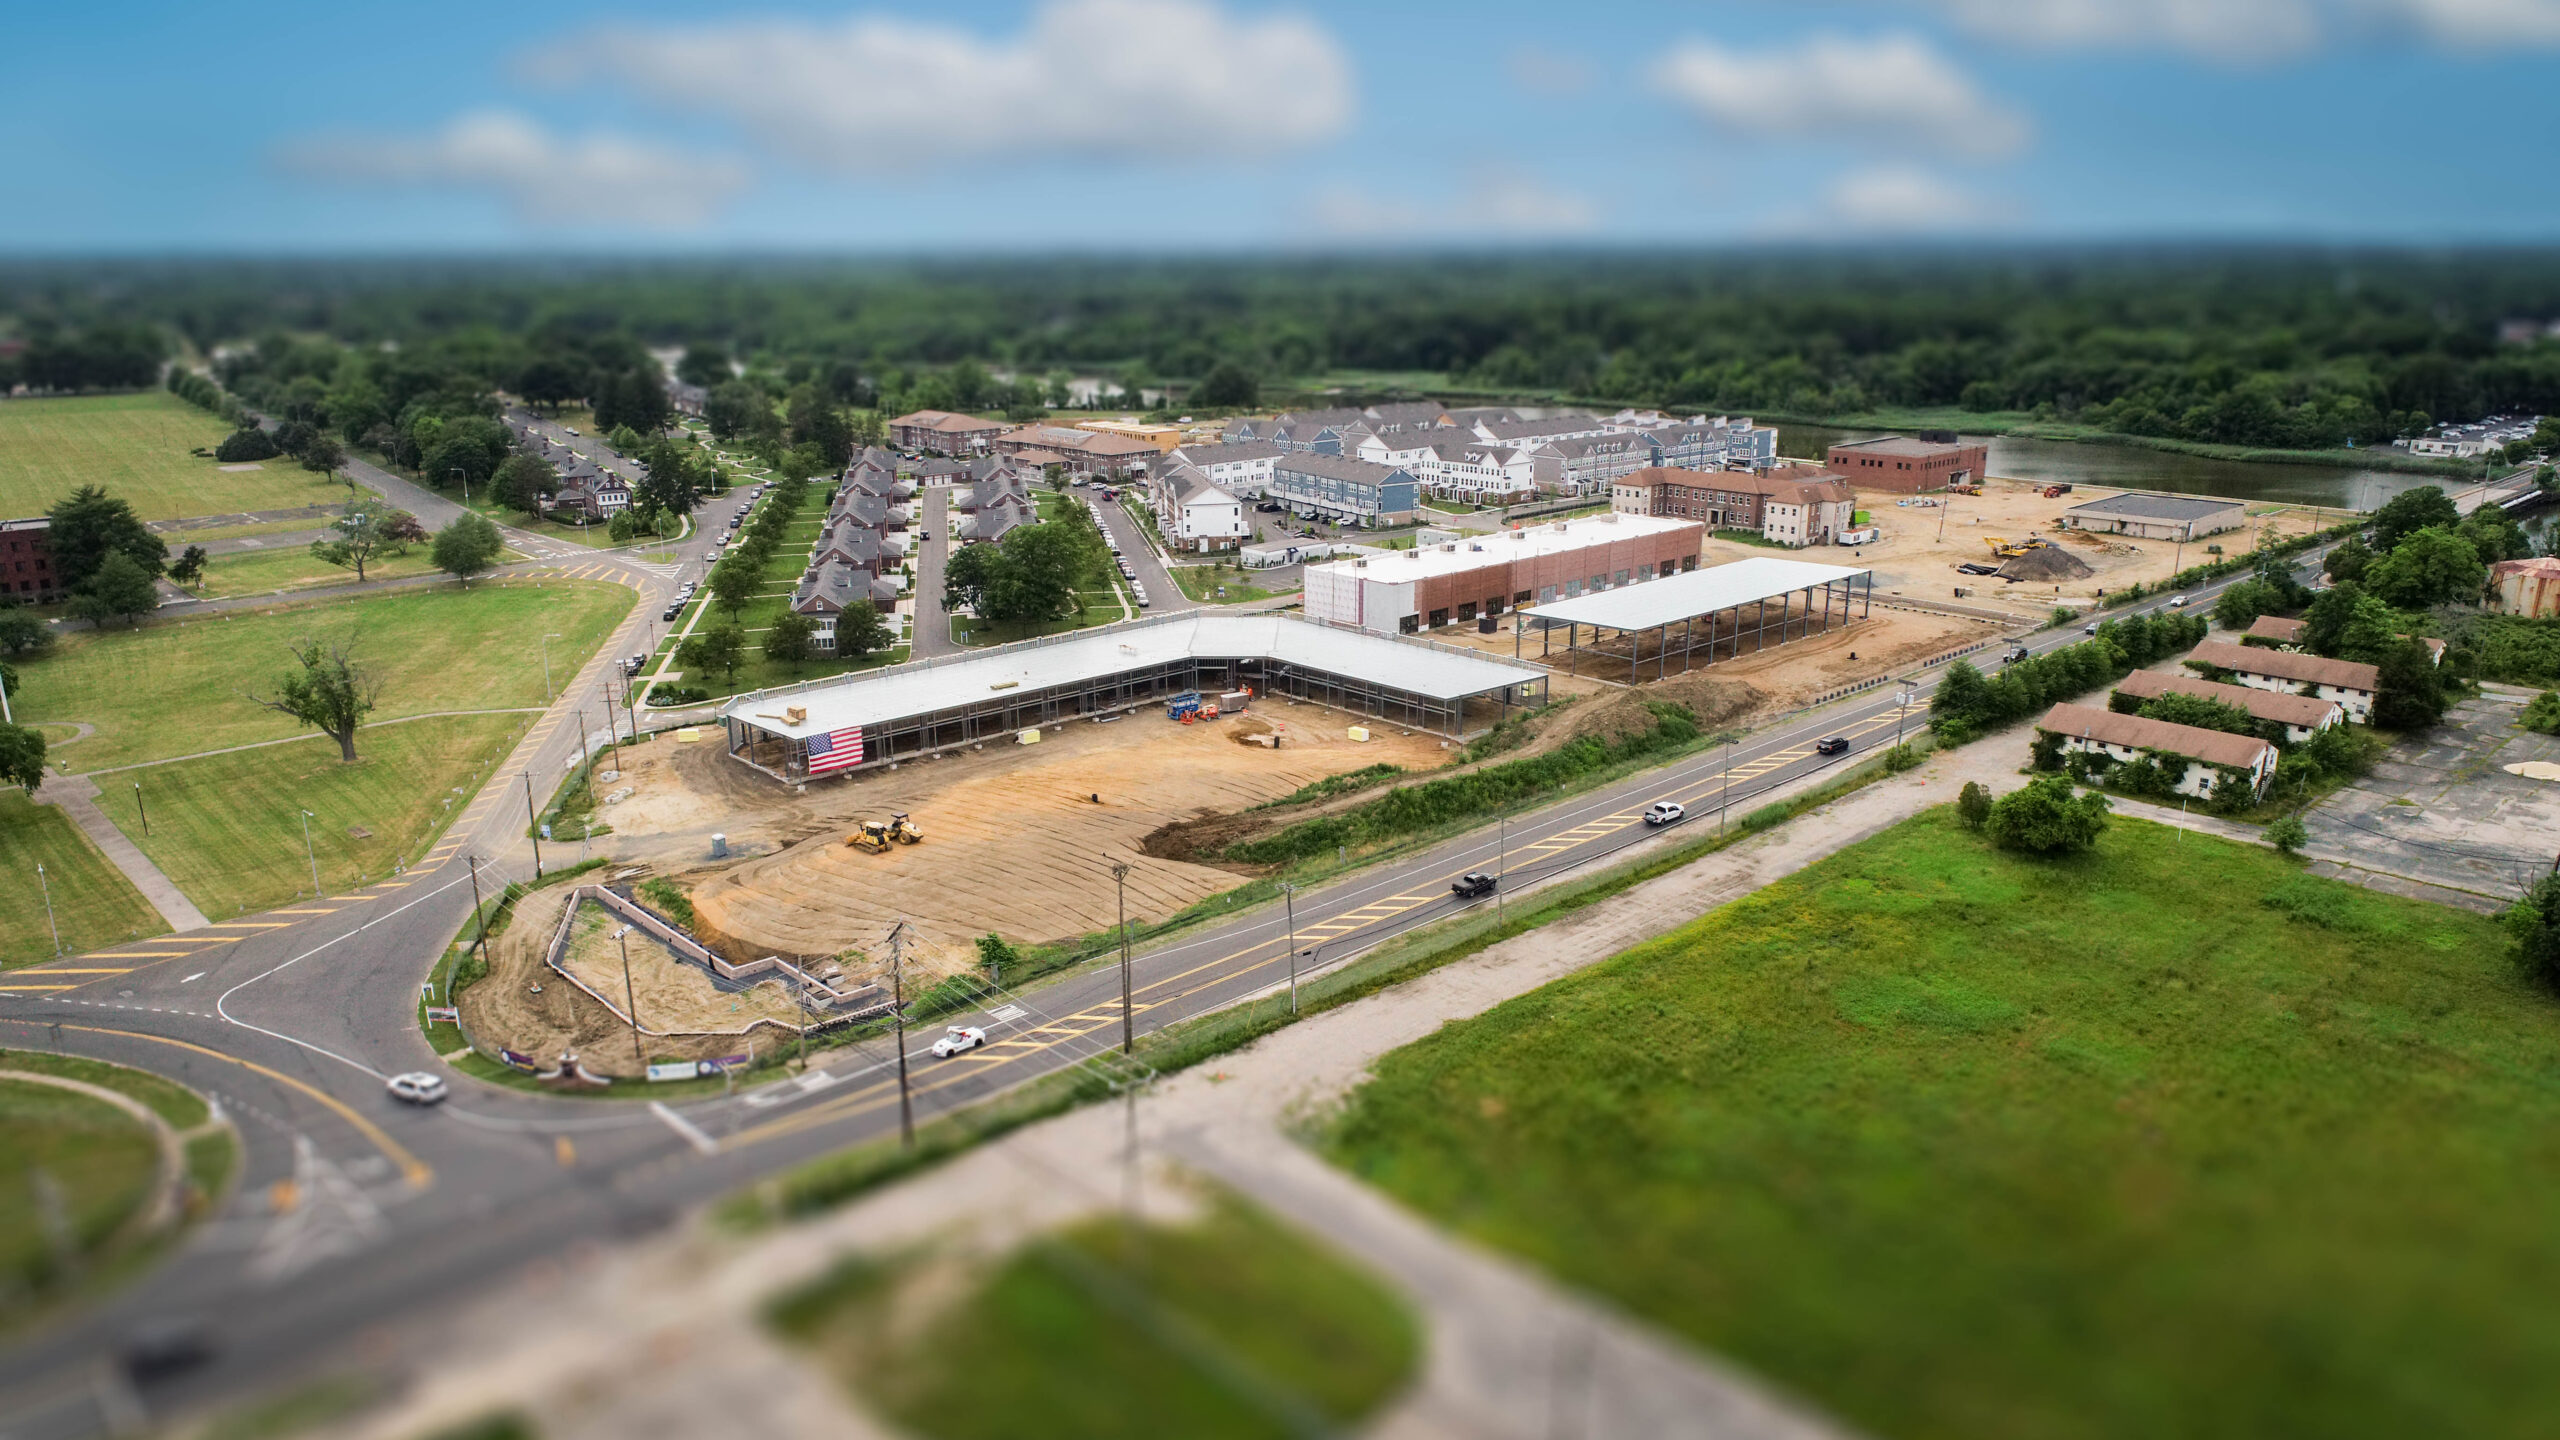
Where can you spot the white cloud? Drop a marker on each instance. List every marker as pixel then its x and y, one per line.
pixel 599 179
pixel 1892 92
pixel 1901 199
pixel 1496 208
pixel 1084 79
pixel 2247 30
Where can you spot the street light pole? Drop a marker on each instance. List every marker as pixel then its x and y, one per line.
pixel 547 692
pixel 143 809
pixel 1128 1031
pixel 1289 897
pixel 310 854
pixel 50 922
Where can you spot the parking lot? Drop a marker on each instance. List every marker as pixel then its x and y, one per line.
pixel 2446 812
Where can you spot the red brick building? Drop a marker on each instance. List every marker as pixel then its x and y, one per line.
pixel 1455 582
pixel 939 432
pixel 1909 463
pixel 1791 505
pixel 26 562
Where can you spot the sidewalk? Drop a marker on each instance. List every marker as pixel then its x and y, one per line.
pixel 77 797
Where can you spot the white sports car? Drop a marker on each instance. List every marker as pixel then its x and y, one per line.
pixel 957 1039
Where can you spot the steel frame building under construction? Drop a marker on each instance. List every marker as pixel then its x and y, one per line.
pixel 1832 594
pixel 943 704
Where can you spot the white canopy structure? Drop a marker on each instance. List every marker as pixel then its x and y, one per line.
pixel 1808 597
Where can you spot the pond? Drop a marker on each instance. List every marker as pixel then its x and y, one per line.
pixel 2071 462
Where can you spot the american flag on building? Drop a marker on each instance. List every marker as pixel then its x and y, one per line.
pixel 835 750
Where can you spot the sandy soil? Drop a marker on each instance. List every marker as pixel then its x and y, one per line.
pixel 673 994
pixel 1912 558
pixel 1015 841
pixel 524 1006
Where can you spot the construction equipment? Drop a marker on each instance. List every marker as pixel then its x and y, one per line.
pixel 873 836
pixel 1964 489
pixel 2055 492
pixel 903 830
pixel 2008 549
pixel 1183 706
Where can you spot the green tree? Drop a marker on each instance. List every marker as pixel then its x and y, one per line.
pixel 2413 689
pixel 188 568
pixel 2409 512
pixel 1974 804
pixel 2346 622
pixel 21 756
pixel 861 630
pixel 870 429
pixel 23 633
pixel 323 455
pixel 467 546
pixel 2288 834
pixel 732 409
pixel 997 956
pixel 523 482
pixel 733 584
pixel 551 381
pixel 2043 817
pixel 2196 710
pixel 2428 567
pixel 722 648
pixel 118 589
pixel 456 460
pixel 1228 386
pixel 369 528
pixel 245 445
pixel 88 525
pixel 325 690
pixel 2349 559
pixel 791 640
pixel 2534 921
pixel 705 365
pixel 2494 535
pixel 2244 601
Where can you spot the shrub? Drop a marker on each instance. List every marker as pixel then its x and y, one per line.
pixel 2289 835
pixel 678 695
pixel 1973 803
pixel 244 444
pixel 1900 758
pixel 2542 713
pixel 670 900
pixel 2044 817
pixel 2535 923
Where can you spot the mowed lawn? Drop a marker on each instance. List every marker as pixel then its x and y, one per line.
pixel 2166 1140
pixel 1230 1327
pixel 176 689
pixel 294 567
pixel 92 901
pixel 136 446
pixel 66 1160
pixel 228 830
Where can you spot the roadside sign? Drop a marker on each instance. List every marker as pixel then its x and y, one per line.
pixel 443 1015
pixel 674 1070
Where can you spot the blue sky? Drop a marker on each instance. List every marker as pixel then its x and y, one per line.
pixel 1191 124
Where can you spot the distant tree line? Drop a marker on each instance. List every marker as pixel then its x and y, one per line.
pixel 107 355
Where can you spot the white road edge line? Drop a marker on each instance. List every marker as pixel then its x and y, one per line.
pixel 693 1136
pixel 221 1006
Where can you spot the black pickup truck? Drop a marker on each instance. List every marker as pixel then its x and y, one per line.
pixel 1474 885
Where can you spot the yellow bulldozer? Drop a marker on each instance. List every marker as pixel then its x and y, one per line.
pixel 873 836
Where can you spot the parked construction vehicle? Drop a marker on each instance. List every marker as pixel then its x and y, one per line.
pixel 873 836
pixel 904 830
pixel 2055 492
pixel 2008 549
pixel 1188 706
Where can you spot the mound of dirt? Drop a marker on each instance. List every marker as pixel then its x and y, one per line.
pixel 2051 563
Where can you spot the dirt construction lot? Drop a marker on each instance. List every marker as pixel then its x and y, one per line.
pixel 1912 558
pixel 1016 840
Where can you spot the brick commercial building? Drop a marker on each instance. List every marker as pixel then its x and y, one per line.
pixel 939 432
pixel 26 562
pixel 1087 454
pixel 1908 463
pixel 1456 582
pixel 1790 506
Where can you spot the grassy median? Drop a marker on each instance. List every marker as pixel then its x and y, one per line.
pixel 2167 1139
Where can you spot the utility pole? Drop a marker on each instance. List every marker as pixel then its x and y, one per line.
pixel 533 825
pixel 898 1015
pixel 630 1004
pixel 1724 788
pixel 584 762
pixel 1899 716
pixel 1501 858
pixel 1128 1030
pixel 1289 896
pixel 310 854
pixel 480 918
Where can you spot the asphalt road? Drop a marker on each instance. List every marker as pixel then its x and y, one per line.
pixel 357 1217
pixel 1162 594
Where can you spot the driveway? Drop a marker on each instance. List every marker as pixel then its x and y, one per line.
pixel 931 634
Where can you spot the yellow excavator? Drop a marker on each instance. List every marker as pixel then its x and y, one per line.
pixel 2007 549
pixel 904 830
pixel 873 836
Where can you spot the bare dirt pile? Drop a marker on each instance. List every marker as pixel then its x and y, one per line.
pixel 2046 565
pixel 674 995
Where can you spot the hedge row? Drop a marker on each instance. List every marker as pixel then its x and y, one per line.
pixel 1969 702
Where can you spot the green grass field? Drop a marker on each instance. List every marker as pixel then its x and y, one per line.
pixel 92 901
pixel 175 689
pixel 293 567
pixel 227 829
pixel 136 446
pixel 72 1170
pixel 1233 1327
pixel 1203 582
pixel 2170 1139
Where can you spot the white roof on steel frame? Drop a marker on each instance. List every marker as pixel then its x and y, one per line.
pixel 1675 598
pixel 910 690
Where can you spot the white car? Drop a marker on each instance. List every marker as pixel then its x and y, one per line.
pixel 1665 812
pixel 958 1039
pixel 417 1087
pixel 2177 602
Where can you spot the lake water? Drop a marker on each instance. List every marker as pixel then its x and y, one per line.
pixel 2069 462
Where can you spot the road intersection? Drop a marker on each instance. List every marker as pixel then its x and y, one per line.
pixel 294 1018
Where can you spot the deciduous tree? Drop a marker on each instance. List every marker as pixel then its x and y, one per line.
pixel 118 589
pixel 860 630
pixel 188 568
pixel 722 648
pixel 370 528
pixel 21 756
pixel 467 546
pixel 327 691
pixel 2409 512
pixel 2043 817
pixel 791 640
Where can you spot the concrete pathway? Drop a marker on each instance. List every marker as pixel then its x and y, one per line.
pixel 77 797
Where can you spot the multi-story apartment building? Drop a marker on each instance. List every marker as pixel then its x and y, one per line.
pixel 1345 491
